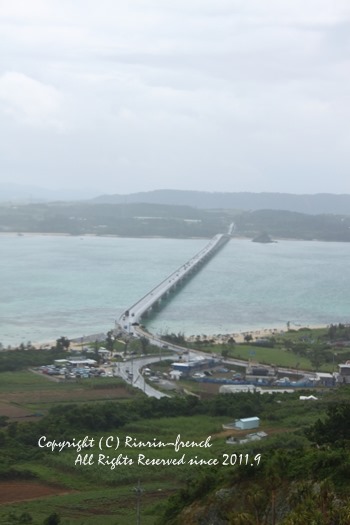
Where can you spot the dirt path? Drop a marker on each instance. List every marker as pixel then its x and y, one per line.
pixel 15 491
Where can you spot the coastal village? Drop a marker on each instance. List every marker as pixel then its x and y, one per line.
pixel 215 369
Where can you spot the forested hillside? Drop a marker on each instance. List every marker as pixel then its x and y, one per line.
pixel 127 220
pixel 298 475
pixel 143 220
pixel 286 224
pixel 317 203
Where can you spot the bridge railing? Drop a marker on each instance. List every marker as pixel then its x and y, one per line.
pixel 173 278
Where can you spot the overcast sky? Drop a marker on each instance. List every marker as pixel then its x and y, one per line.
pixel 134 95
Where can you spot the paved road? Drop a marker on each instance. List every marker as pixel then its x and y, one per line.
pixel 130 371
pixel 138 381
pixel 154 340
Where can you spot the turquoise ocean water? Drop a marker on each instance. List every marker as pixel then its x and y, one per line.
pixel 56 285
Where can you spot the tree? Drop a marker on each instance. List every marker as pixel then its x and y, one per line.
pixel 225 352
pixel 257 501
pixel 144 341
pixel 97 356
pixel 63 343
pixel 110 340
pixel 332 332
pixel 25 517
pixel 52 519
pixel 316 356
pixel 335 429
pixel 242 518
pixel 288 344
pixel 248 338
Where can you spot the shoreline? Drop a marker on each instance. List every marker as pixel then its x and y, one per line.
pixel 112 235
pixel 256 333
pixel 95 235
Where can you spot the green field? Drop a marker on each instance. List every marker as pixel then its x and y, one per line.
pixel 27 381
pixel 292 349
pixel 276 356
pixel 104 495
pixel 26 394
pixel 103 492
pixel 115 506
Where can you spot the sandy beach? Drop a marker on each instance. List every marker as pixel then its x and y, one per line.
pixel 261 333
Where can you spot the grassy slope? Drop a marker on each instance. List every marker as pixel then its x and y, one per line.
pixel 280 355
pixel 102 495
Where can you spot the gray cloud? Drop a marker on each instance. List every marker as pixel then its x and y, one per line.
pixel 216 95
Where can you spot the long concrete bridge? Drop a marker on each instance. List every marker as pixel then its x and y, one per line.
pixel 130 318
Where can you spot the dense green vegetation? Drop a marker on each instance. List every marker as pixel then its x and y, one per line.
pixel 128 220
pixel 27 381
pixel 287 224
pixel 296 483
pixel 19 358
pixel 301 476
pixel 304 349
pixel 304 462
pixel 143 219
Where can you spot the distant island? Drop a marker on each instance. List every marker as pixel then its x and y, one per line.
pixel 314 204
pixel 154 219
pixel 263 238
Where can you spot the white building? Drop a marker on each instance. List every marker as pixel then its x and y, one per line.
pixel 175 374
pixel 242 424
pixel 324 379
pixel 233 389
pixel 344 372
pixel 247 423
pixel 82 362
